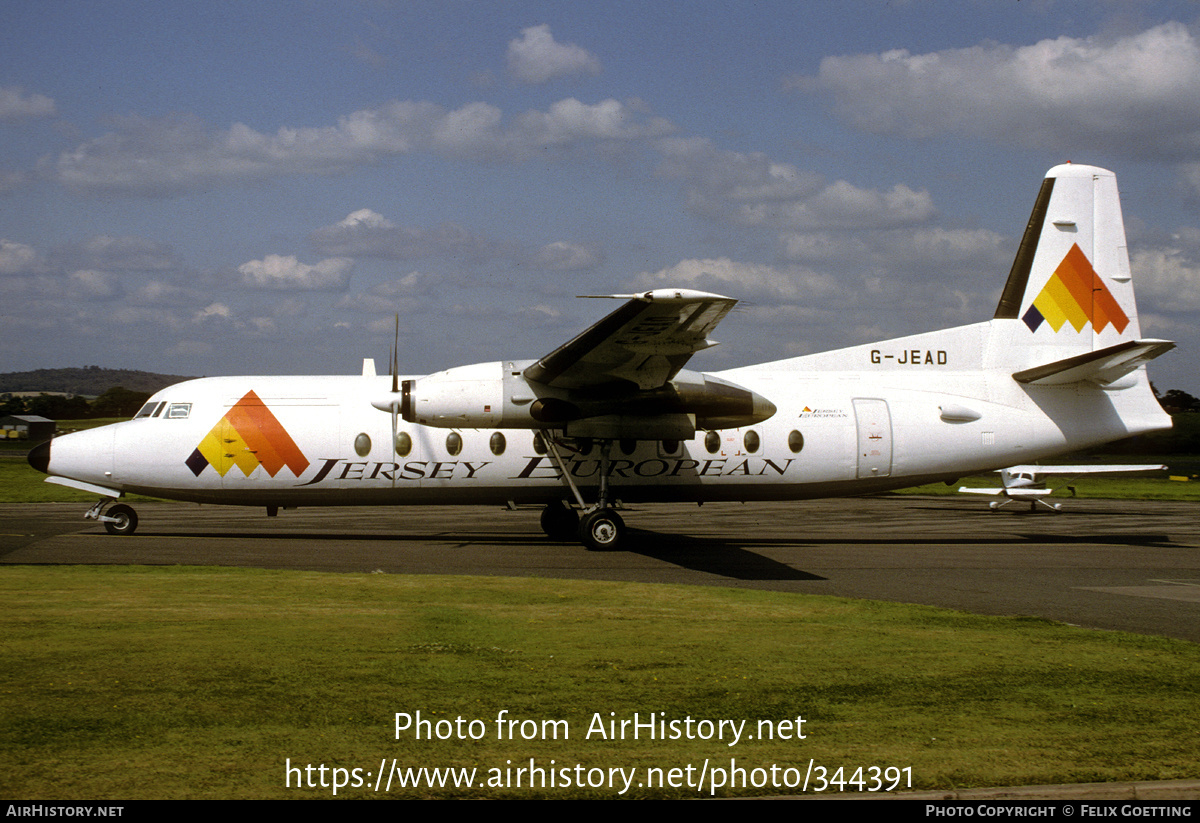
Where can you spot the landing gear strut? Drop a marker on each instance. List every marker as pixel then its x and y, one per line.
pixel 119 520
pixel 599 528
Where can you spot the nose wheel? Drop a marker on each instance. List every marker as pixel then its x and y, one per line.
pixel 119 519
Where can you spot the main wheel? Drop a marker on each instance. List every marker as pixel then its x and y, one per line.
pixel 124 520
pixel 602 530
pixel 560 522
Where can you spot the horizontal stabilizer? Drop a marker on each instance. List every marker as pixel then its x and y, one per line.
pixel 1103 366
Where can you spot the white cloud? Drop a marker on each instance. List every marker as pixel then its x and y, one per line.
pixel 212 310
pixel 570 121
pixel 16 257
pixel 15 105
pixel 1167 279
pixel 158 293
pixel 170 155
pixel 92 283
pixel 535 57
pixel 843 205
pixel 1138 94
pixel 129 253
pixel 926 248
pixel 366 219
pixel 736 279
pixel 276 271
pixel 733 176
pixel 563 256
pixel 365 233
pixel 754 190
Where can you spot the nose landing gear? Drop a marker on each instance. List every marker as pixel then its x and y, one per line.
pixel 119 519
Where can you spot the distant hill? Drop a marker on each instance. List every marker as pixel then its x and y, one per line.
pixel 89 380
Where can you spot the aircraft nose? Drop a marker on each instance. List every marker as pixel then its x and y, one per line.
pixel 84 455
pixel 39 457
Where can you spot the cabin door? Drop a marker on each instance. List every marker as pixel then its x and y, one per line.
pixel 874 437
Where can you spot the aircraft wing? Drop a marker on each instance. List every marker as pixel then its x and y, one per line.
pixel 1017 493
pixel 645 342
pixel 1087 469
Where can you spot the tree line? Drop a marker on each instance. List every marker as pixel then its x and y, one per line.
pixel 115 402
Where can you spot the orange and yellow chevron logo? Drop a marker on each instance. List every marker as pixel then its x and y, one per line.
pixel 1075 294
pixel 248 436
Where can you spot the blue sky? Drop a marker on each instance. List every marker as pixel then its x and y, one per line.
pixel 259 187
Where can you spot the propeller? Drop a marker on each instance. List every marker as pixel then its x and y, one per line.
pixel 395 370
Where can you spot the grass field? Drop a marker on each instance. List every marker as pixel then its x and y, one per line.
pixel 203 683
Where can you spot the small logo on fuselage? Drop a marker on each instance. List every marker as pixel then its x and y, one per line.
pixel 248 436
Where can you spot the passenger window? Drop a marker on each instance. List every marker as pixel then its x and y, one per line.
pixel 497 444
pixel 751 441
pixel 453 443
pixel 403 443
pixel 795 441
pixel 362 444
pixel 712 442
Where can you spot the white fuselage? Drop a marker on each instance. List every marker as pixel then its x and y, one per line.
pixel 882 416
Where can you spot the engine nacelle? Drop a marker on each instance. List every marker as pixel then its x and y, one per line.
pixel 499 395
pixel 468 397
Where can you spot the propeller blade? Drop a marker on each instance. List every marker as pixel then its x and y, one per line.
pixel 395 366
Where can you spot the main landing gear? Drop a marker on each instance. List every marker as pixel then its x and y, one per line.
pixel 598 527
pixel 119 519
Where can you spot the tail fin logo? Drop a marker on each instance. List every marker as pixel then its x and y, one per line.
pixel 248 436
pixel 1075 294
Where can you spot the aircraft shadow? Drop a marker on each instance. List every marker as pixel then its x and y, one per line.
pixel 724 558
pixel 721 557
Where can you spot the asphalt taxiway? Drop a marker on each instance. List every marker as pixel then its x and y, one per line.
pixel 1126 565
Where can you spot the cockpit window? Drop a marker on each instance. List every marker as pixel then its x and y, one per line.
pixel 179 411
pixel 158 409
pixel 145 411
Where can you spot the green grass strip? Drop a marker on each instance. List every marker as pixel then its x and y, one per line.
pixel 181 682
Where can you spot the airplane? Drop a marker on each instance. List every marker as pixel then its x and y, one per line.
pixel 1025 483
pixel 613 417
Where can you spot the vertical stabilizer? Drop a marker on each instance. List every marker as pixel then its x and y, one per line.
pixel 1070 290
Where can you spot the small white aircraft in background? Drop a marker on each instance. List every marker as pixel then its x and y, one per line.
pixel 1027 483
pixel 612 416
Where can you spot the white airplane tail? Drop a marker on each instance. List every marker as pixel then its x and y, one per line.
pixel 1067 313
